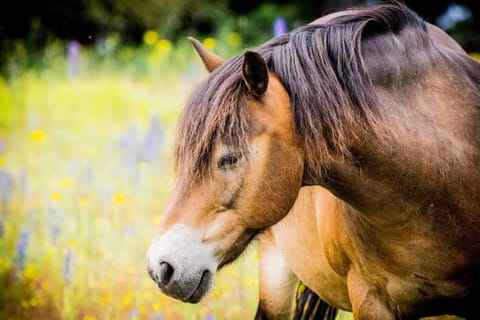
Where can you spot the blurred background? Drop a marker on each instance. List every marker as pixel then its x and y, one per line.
pixel 90 92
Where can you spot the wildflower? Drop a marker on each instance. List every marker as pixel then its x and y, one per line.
pixel 38 135
pixel 234 39
pixel 72 243
pixel 149 150
pixel 130 230
pixel 142 310
pixel 73 59
pixel 83 201
pixel 119 198
pixel 106 299
pixel 210 43
pixel 133 314
pixel 66 182
pixel 6 189
pixel 2 161
pixel 150 37
pixel 54 232
pixel 163 46
pixel 209 317
pixel 279 26
pixel 21 248
pixel 88 317
pixel 475 55
pixel 67 265
pixel 31 272
pixel 126 300
pixel 55 196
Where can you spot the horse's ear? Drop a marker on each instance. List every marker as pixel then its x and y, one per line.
pixel 255 73
pixel 209 59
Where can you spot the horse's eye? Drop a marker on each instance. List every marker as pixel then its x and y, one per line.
pixel 228 160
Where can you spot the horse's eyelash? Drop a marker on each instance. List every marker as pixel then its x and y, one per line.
pixel 229 159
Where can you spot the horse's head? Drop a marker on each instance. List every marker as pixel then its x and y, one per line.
pixel 239 170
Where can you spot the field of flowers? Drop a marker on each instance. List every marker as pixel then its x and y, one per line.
pixel 85 144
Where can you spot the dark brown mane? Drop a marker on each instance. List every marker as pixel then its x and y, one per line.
pixel 321 67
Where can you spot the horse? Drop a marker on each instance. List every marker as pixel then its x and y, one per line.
pixel 373 106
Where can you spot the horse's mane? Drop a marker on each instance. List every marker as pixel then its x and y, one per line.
pixel 321 67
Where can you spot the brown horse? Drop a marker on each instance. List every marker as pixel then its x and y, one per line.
pixel 373 106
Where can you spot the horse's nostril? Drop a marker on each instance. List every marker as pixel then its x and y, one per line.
pixel 166 272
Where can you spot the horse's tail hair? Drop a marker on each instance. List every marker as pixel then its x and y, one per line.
pixel 309 306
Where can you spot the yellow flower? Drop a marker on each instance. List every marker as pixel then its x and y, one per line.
pixel 119 198
pixel 106 299
pixel 156 306
pixel 156 220
pixel 475 55
pixel 44 285
pixel 72 243
pixel 210 43
pixel 163 46
pixel 83 201
pixel 31 272
pixel 142 310
pixel 150 37
pixel 34 302
pixel 126 300
pixel 89 318
pixel 234 39
pixel 55 196
pixel 2 161
pixel 38 135
pixel 66 182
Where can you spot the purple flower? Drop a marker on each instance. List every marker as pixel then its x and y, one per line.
pixel 279 26
pixel 54 232
pixel 209 317
pixel 73 58
pixel 67 265
pixel 6 189
pixel 130 230
pixel 133 314
pixel 21 248
pixel 150 147
pixel 156 316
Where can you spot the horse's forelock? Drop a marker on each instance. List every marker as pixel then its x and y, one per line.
pixel 214 114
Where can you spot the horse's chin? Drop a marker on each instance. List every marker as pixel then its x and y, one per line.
pixel 203 287
pixel 189 290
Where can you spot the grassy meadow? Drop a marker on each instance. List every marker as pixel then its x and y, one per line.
pixel 85 171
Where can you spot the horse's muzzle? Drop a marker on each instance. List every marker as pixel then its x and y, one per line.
pixel 191 289
pixel 182 266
